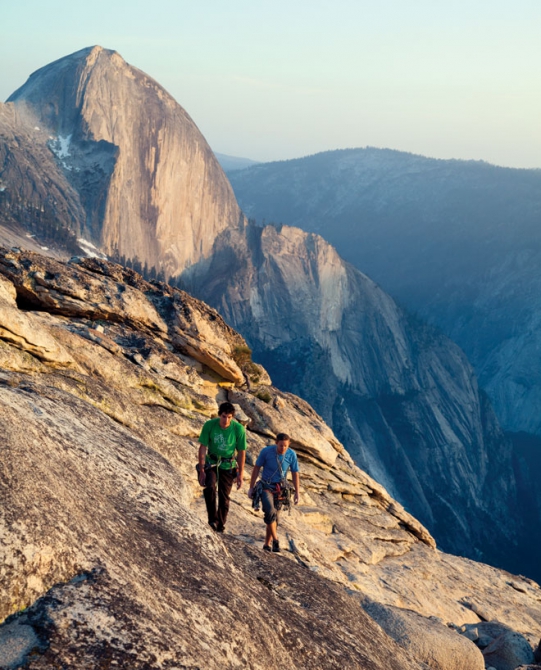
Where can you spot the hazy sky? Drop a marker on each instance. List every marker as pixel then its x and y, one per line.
pixel 281 79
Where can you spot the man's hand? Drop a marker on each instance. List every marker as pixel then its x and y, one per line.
pixel 253 480
pixel 201 458
pixel 239 480
pixel 296 498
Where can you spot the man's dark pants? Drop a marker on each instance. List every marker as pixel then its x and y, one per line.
pixel 225 480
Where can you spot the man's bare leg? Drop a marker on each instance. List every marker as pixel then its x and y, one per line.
pixel 271 533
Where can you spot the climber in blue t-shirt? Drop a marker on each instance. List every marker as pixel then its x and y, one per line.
pixel 273 462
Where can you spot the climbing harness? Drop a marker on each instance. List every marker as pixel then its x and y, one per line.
pixel 218 460
pixel 214 461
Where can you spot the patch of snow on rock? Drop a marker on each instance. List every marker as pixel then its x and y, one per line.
pixel 90 249
pixel 60 147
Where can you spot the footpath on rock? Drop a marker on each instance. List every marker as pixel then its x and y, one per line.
pixel 106 559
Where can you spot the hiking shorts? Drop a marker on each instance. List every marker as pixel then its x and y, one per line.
pixel 269 507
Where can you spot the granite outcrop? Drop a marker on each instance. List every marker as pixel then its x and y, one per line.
pixel 107 558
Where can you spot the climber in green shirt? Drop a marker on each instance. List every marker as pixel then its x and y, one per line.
pixel 219 440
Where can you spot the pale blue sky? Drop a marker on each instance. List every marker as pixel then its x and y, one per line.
pixel 273 80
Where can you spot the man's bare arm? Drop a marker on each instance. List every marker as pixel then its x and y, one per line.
pixel 241 459
pixel 296 484
pixel 201 459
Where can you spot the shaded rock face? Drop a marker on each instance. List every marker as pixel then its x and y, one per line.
pixel 508 651
pixel 106 557
pixel 399 395
pixel 428 640
pixel 35 195
pixel 502 647
pixel 456 241
pixel 527 463
pixel 138 179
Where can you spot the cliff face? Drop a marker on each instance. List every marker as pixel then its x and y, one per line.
pixel 146 184
pixel 399 395
pixel 106 557
pixel 458 242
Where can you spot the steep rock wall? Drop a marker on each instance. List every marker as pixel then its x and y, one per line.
pixel 35 196
pixel 148 183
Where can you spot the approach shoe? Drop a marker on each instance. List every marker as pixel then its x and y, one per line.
pixel 276 546
pixel 266 547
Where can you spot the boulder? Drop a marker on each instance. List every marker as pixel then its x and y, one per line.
pixel 240 416
pixel 484 632
pixel 508 650
pixel 428 640
pixel 98 290
pixel 73 290
pixel 502 647
pixel 17 640
pixel 210 355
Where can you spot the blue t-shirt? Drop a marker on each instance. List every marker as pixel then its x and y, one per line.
pixel 274 466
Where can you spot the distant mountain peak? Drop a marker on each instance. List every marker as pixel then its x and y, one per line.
pixel 148 183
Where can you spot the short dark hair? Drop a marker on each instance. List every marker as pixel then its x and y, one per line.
pixel 282 436
pixel 226 408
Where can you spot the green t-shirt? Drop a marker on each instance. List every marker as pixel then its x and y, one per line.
pixel 222 442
